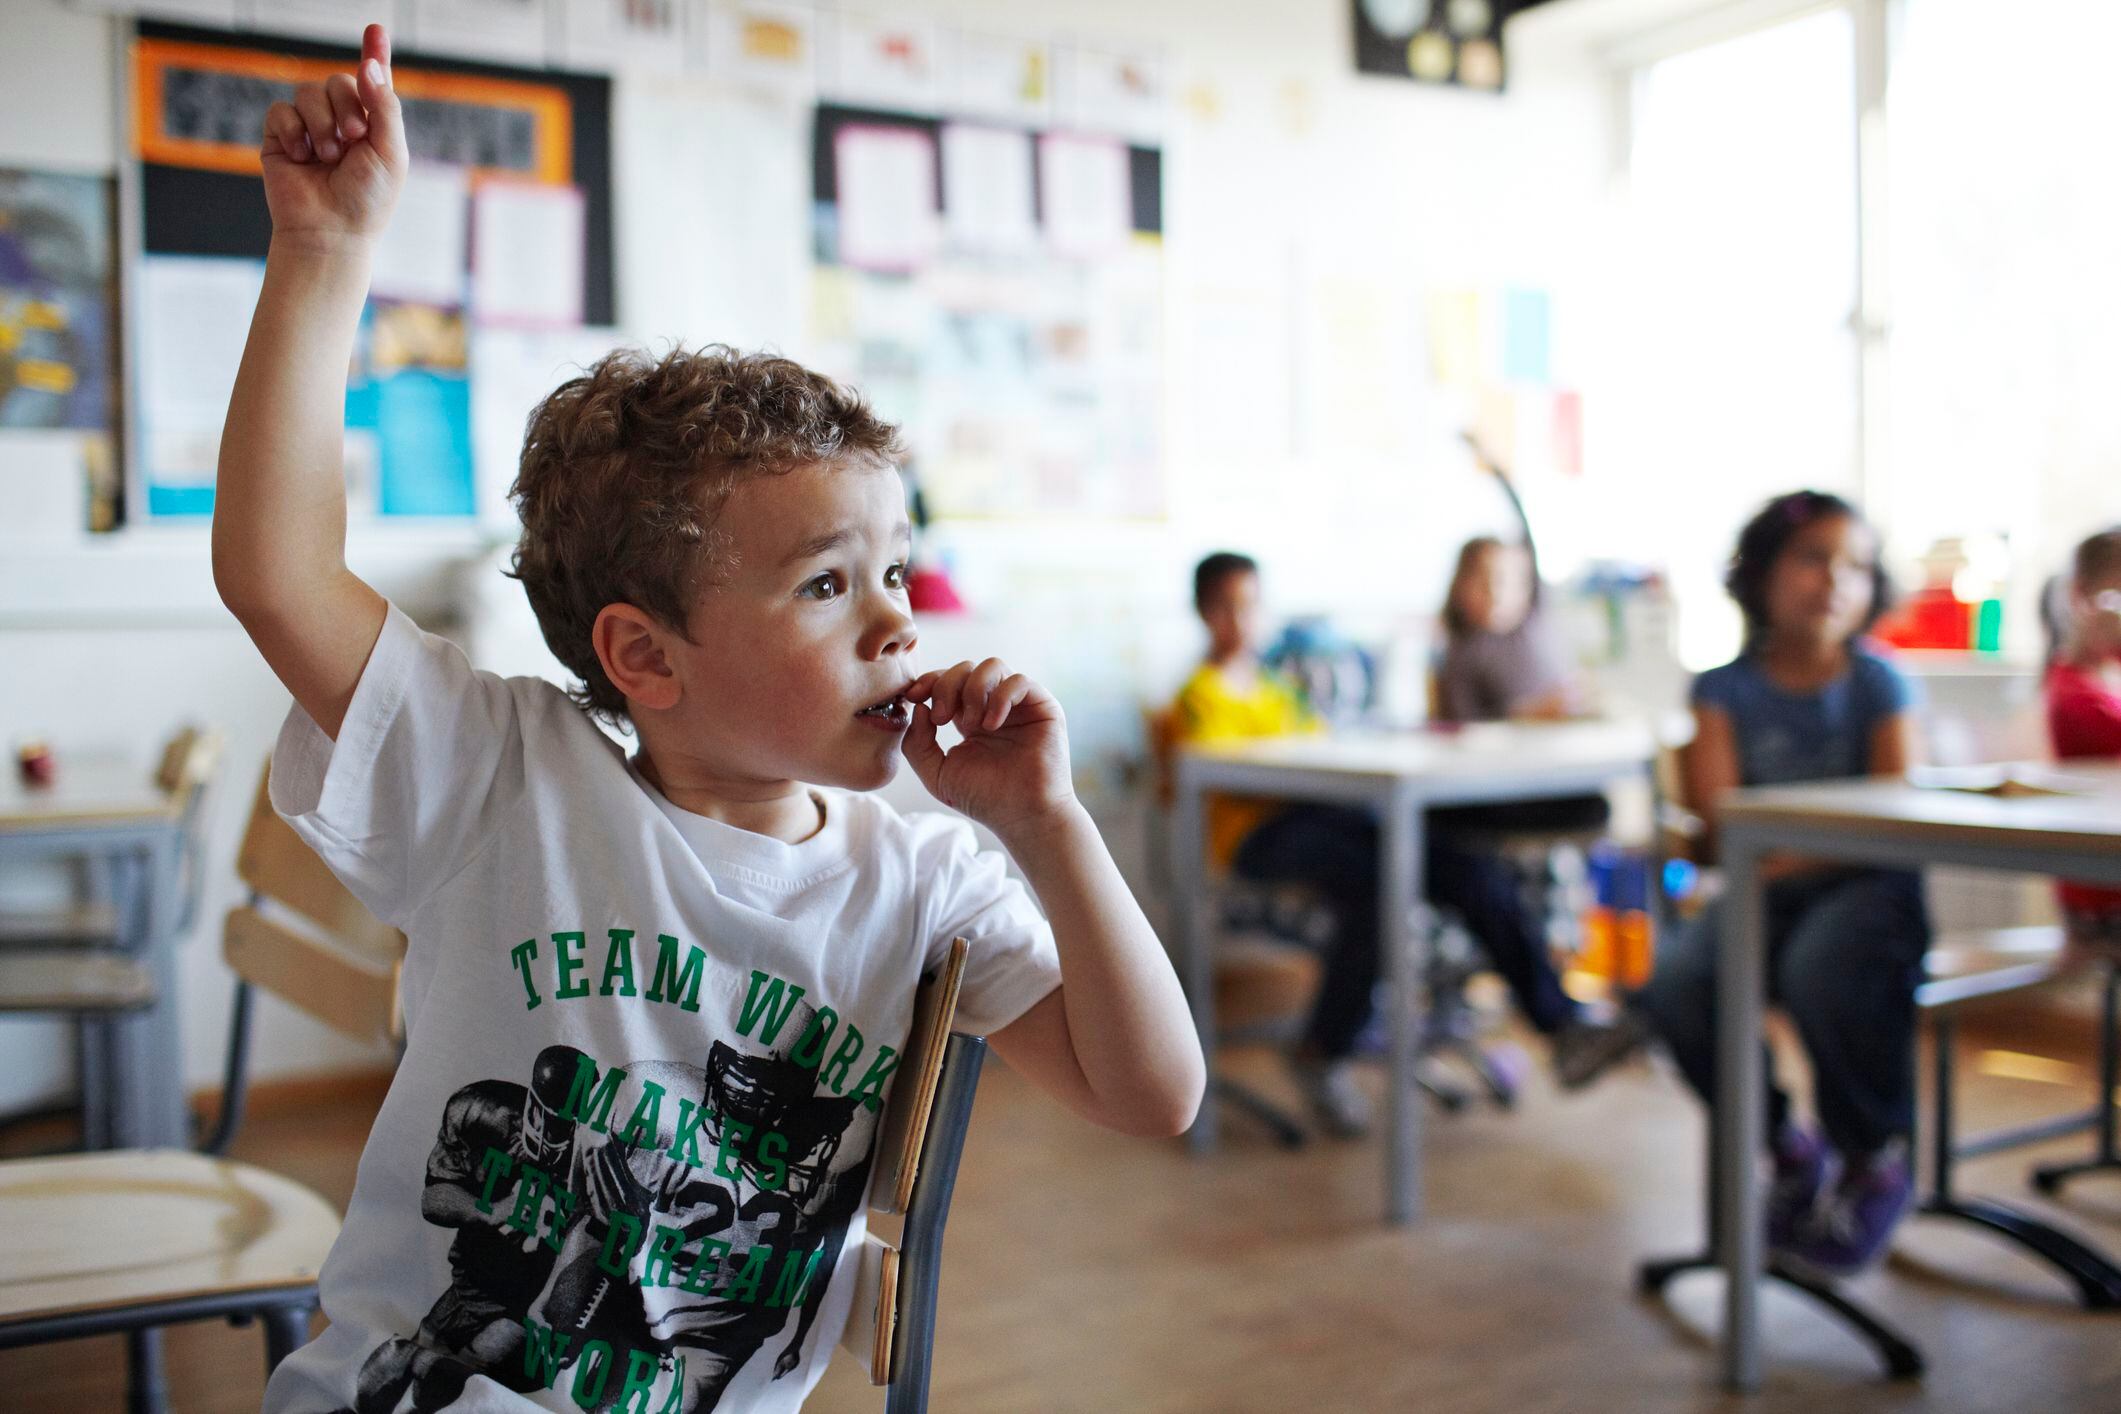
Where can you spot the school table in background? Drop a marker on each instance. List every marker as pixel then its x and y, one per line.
pixel 110 809
pixel 2042 819
pixel 1397 776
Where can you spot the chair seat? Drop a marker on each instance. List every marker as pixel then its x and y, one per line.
pixel 69 980
pixel 1965 967
pixel 98 1232
pixel 1257 983
pixel 81 924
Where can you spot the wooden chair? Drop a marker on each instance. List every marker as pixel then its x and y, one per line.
pixel 68 962
pixel 890 1330
pixel 133 1240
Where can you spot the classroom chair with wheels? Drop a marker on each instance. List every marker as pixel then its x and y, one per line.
pixel 133 1240
pixel 1267 959
pixel 1267 969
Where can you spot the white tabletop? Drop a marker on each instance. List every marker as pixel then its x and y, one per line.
pixel 1485 749
pixel 2082 816
pixel 87 791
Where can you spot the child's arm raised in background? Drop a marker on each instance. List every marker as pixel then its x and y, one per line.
pixel 1115 1041
pixel 333 161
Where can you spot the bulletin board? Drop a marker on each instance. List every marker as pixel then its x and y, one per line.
pixel 996 289
pixel 494 149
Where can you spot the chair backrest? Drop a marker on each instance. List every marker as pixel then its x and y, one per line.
pixel 1160 731
pixel 892 1325
pixel 906 1121
pixel 186 769
pixel 189 759
pixel 334 960
pixel 918 1277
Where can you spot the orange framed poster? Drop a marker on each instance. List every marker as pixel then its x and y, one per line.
pixel 202 106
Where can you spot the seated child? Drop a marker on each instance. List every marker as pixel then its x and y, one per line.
pixel 2084 714
pixel 1805 701
pixel 653 1005
pixel 1502 659
pixel 1334 849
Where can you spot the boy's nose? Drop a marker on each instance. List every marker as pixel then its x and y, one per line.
pixel 894 632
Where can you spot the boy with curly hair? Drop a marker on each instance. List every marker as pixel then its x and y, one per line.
pixel 720 937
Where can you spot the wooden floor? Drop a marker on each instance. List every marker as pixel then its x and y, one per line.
pixel 1087 1272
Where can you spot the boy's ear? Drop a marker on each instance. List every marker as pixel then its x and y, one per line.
pixel 629 643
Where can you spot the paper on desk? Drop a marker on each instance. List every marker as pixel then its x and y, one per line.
pixel 2006 782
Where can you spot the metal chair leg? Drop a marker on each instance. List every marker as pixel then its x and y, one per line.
pixel 286 1331
pixel 1286 1131
pixel 146 1388
pixel 1900 1356
pixel 2049 1178
pixel 2097 1279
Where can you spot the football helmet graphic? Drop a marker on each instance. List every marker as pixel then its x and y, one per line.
pixel 546 1137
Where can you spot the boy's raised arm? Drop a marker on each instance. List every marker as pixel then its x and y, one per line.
pixel 334 160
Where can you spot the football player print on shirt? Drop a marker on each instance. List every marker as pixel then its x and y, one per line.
pixel 497 1269
pixel 686 1212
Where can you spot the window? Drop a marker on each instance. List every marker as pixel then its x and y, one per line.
pixel 2005 341
pixel 1735 371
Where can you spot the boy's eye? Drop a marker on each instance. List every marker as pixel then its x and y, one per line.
pixel 895 577
pixel 824 588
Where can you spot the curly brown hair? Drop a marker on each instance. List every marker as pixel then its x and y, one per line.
pixel 625 470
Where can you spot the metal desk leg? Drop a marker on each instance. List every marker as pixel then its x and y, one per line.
pixel 1400 887
pixel 1189 861
pixel 169 1119
pixel 146 1050
pixel 1741 984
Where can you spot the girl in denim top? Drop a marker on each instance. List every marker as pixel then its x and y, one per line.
pixel 1807 701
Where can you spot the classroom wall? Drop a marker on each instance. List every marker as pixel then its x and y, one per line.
pixel 1294 192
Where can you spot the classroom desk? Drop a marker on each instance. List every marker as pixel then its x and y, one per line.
pixel 112 810
pixel 1876 822
pixel 1397 775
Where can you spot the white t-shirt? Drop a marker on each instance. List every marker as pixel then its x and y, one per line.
pixel 644 1056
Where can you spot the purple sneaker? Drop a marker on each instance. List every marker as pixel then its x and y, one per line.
pixel 1803 1165
pixel 1852 1229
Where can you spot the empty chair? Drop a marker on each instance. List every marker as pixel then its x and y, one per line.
pixel 203 1236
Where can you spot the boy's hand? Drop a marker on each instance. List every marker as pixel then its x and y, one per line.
pixel 334 158
pixel 1010 771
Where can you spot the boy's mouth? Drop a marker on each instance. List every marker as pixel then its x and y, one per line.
pixel 893 711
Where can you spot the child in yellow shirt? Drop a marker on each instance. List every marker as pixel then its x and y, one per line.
pixel 1334 849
